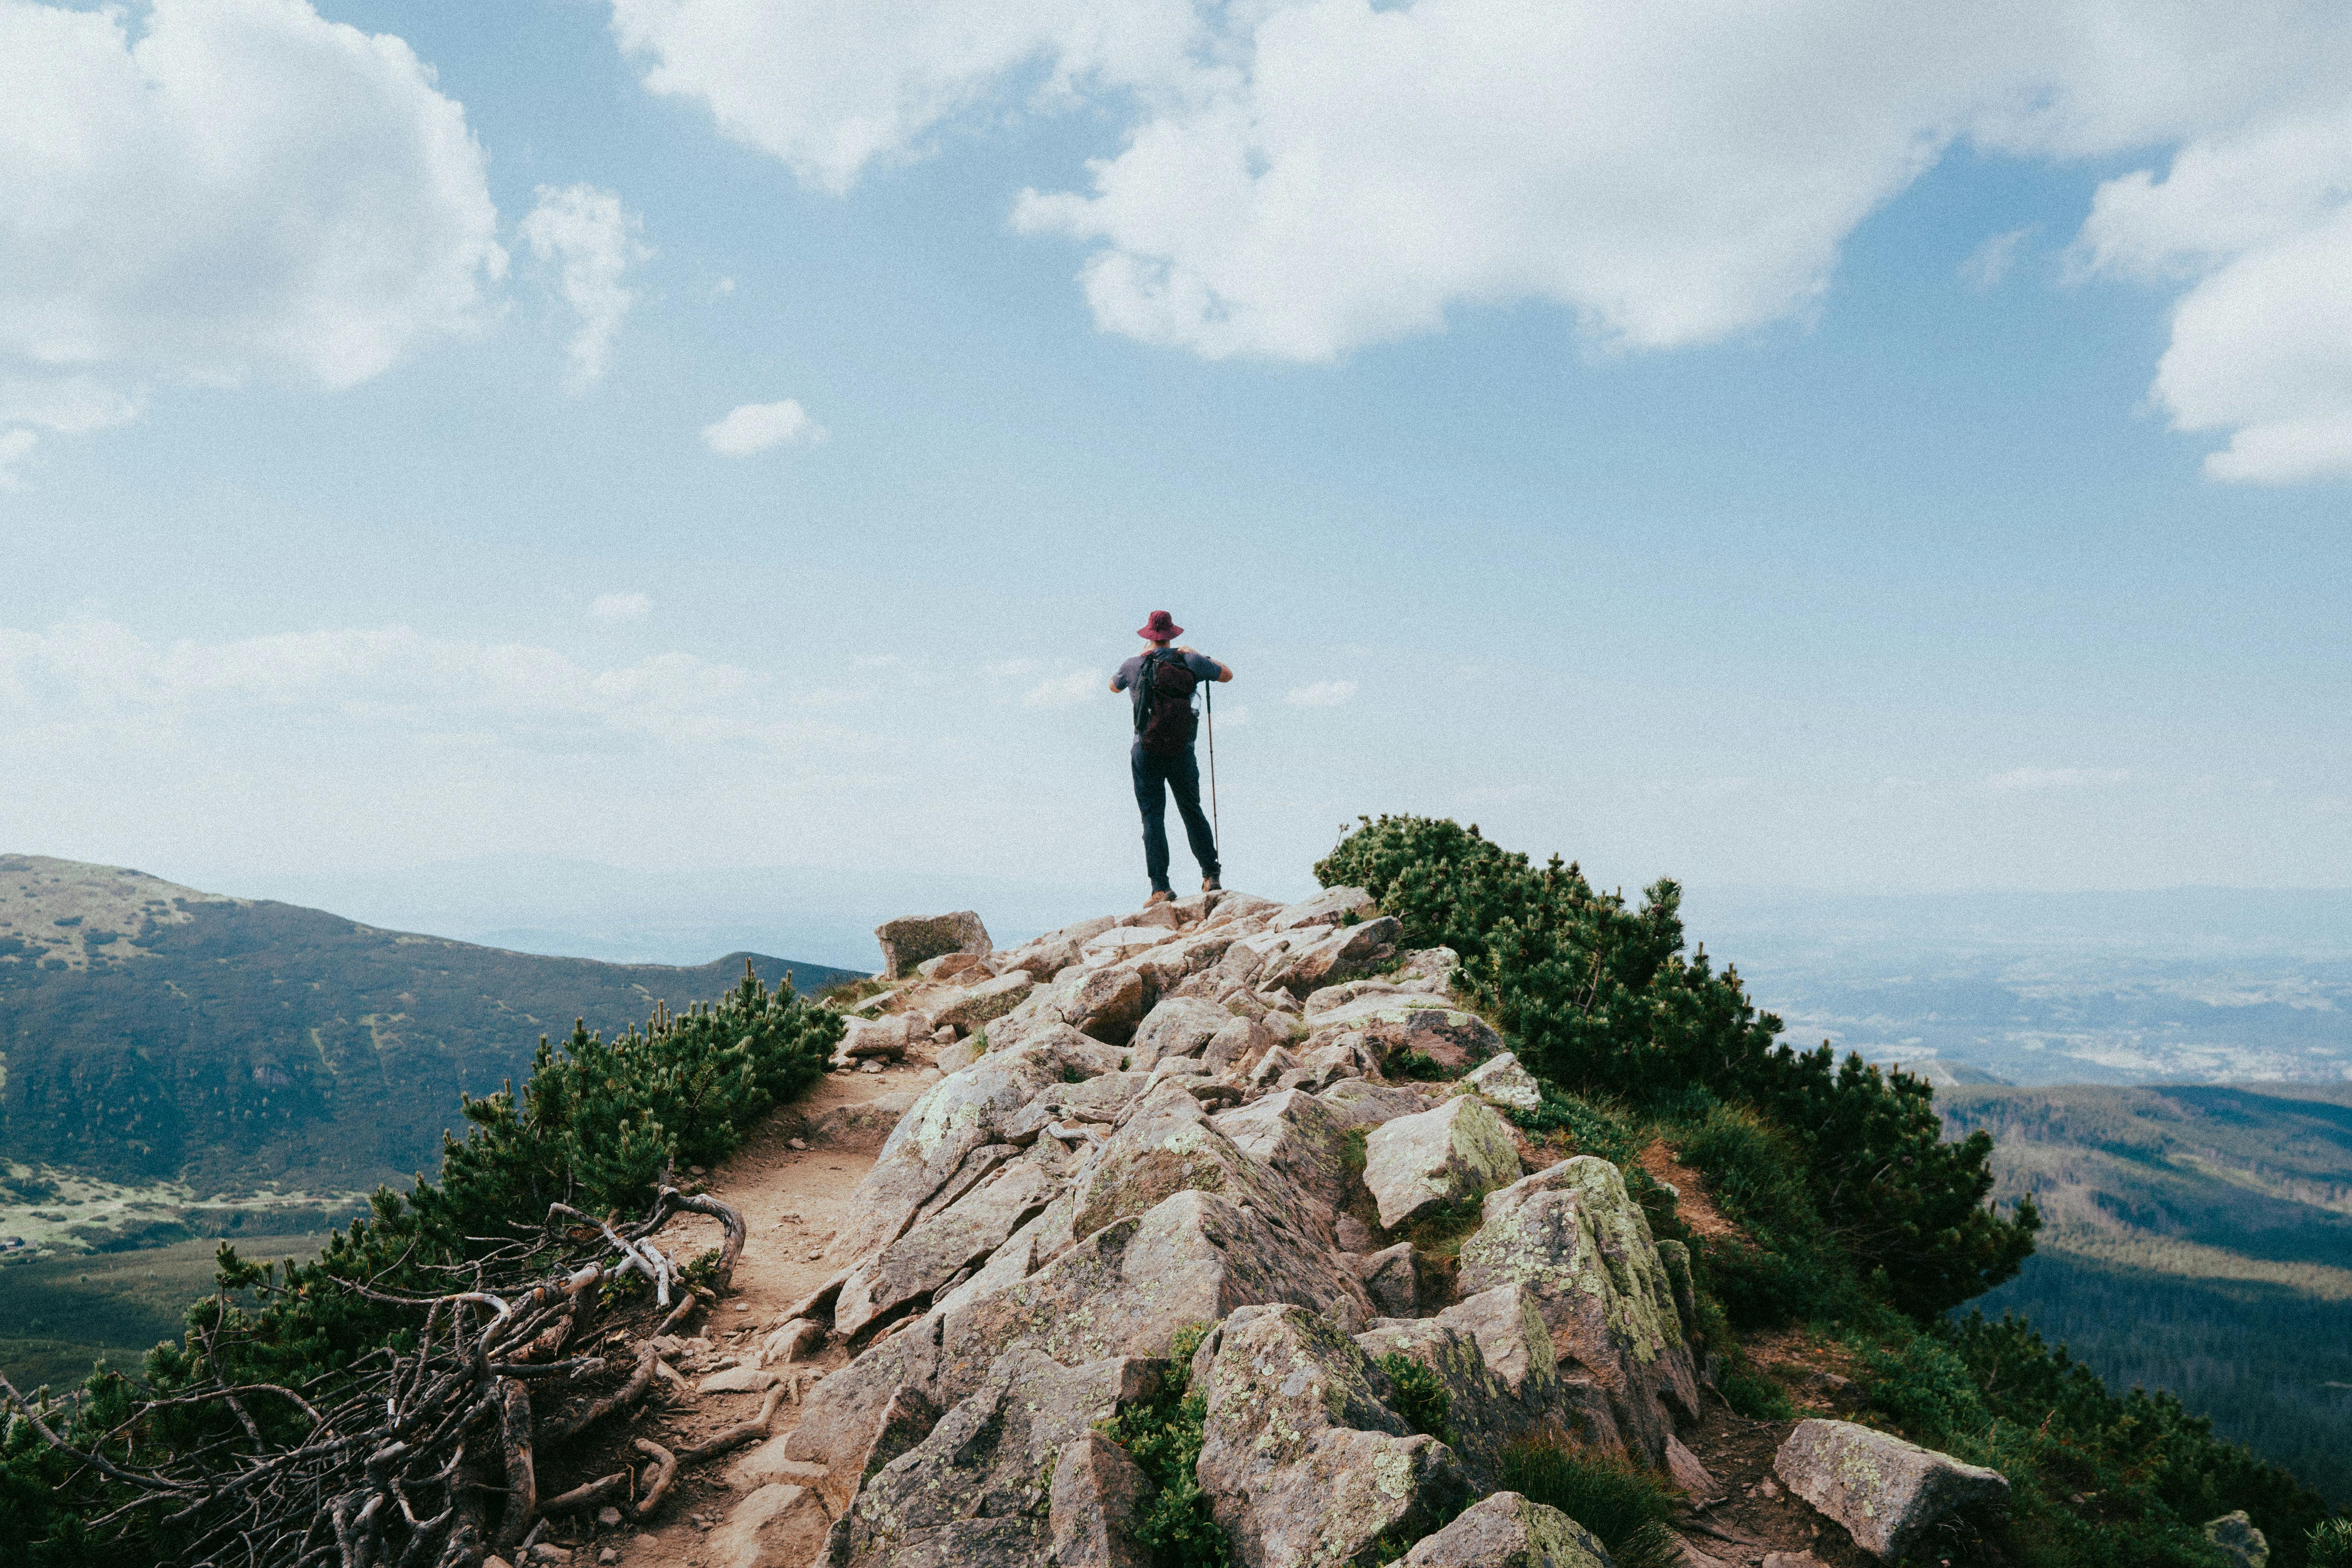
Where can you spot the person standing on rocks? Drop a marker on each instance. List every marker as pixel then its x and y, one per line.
pixel 1159 683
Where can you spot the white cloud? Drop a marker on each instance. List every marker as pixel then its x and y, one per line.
pixel 1983 267
pixel 621 606
pixel 2057 778
pixel 102 676
pixel 1066 690
pixel 1320 694
pixel 1299 178
pixel 832 89
pixel 755 426
pixel 1007 668
pixel 243 189
pixel 16 445
pixel 2261 343
pixel 592 241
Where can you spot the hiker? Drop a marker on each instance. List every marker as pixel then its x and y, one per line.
pixel 1159 683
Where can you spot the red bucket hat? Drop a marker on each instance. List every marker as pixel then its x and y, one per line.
pixel 1161 628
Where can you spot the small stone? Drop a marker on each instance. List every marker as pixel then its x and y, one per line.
pixel 1503 1080
pixel 1506 1529
pixel 741 1307
pixel 607 1558
pixel 548 1552
pixel 869 1065
pixel 608 1517
pixel 801 1143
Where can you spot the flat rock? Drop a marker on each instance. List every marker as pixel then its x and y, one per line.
pixel 768 1464
pixel 1328 907
pixel 1303 1460
pixel 779 1526
pixel 1508 1531
pixel 907 942
pixel 976 1005
pixel 1886 1491
pixel 1462 1150
pixel 737 1380
pixel 1578 1241
pixel 1356 1103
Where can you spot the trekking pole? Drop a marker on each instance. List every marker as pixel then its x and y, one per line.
pixel 1215 838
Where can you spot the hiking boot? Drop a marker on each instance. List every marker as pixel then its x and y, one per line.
pixel 1210 885
pixel 1160 896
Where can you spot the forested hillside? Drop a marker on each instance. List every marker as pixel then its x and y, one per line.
pixel 2196 1238
pixel 151 1033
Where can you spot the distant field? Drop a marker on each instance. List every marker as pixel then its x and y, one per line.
pixel 58 1316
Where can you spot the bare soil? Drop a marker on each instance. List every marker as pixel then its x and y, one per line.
pixel 792 1200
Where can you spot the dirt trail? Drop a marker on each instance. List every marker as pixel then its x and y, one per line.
pixel 792 1200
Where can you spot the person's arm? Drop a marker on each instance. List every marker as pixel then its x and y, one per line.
pixel 1225 671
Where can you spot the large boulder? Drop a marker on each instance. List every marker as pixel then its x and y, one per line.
pixel 970 1008
pixel 1346 953
pixel 1298 1137
pixel 2235 1537
pixel 978 1490
pixel 1392 1024
pixel 1167 1145
pixel 1127 1288
pixel 1508 1531
pixel 1179 1026
pixel 1356 1103
pixel 960 1235
pixel 1577 1240
pixel 1886 1492
pixel 1462 1150
pixel 1106 1004
pixel 1302 1455
pixel 909 942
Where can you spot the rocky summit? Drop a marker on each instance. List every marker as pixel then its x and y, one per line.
pixel 1191 1130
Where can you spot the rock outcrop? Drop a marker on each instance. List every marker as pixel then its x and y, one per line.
pixel 1886 1492
pixel 1180 1119
pixel 908 942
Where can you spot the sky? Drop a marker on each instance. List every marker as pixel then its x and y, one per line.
pixel 1809 445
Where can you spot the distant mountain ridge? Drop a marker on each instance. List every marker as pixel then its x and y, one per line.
pixel 155 1034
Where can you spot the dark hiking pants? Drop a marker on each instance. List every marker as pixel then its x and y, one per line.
pixel 1154 777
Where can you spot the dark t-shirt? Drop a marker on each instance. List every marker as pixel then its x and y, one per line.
pixel 1199 664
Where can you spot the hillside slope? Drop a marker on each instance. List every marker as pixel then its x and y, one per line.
pixel 153 1034
pixel 2199 1239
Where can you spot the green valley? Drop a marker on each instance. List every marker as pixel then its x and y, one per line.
pixel 2199 1238
pixel 174 1064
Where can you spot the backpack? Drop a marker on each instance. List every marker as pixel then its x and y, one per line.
pixel 1164 719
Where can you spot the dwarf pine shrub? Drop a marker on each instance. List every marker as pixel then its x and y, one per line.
pixel 1599 998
